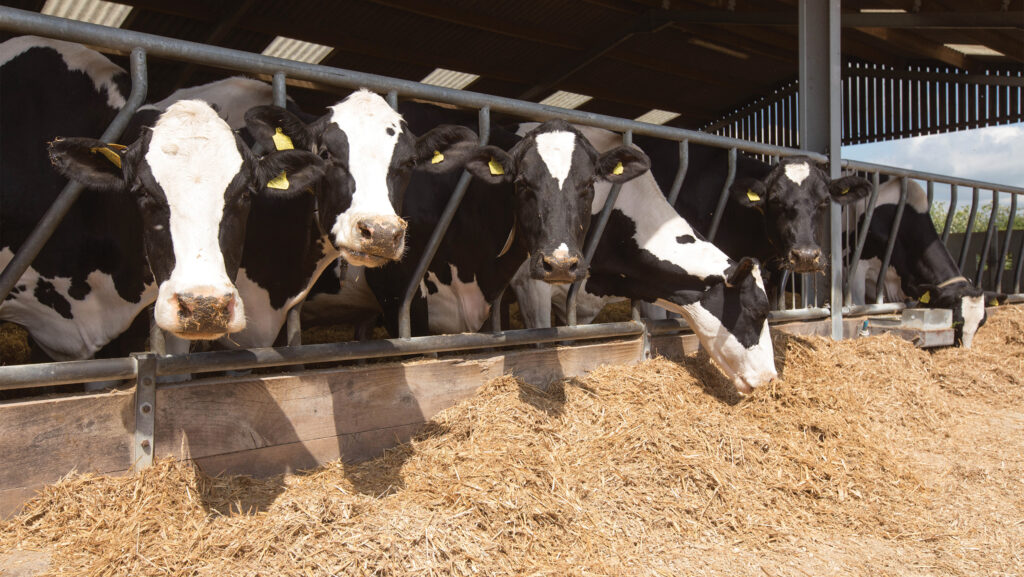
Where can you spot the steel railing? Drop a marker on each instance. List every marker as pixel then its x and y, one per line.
pixel 142 44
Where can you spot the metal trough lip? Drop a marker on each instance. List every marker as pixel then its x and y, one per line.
pixel 24 376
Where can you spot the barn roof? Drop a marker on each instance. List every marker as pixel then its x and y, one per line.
pixel 709 61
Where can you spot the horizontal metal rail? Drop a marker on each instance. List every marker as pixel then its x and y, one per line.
pixel 26 22
pixel 43 374
pixel 921 175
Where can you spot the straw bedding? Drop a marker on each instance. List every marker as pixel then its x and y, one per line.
pixel 867 457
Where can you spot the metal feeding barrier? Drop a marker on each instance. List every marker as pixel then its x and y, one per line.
pixel 147 366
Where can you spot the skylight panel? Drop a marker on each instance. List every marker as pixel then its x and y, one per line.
pixel 92 11
pixel 564 99
pixel 297 50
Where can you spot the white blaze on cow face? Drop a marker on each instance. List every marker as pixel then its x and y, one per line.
pixel 798 172
pixel 372 129
pixel 973 311
pixel 556 149
pixel 193 157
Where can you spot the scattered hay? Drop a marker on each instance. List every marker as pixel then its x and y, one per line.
pixel 14 347
pixel 867 457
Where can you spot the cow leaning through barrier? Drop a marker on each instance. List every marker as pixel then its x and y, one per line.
pixel 921 267
pixel 166 219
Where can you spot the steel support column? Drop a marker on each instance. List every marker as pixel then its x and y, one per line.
pixel 820 117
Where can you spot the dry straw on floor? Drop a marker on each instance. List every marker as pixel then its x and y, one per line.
pixel 867 457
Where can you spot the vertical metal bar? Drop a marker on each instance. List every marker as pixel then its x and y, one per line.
pixel 392 99
pixel 950 214
pixel 684 163
pixel 723 197
pixel 781 305
pixel 62 204
pixel 891 242
pixel 293 320
pixel 969 231
pixel 820 82
pixel 1018 265
pixel 988 237
pixel 931 196
pixel 496 312
pixel 862 238
pixel 593 238
pixel 280 90
pixel 1001 265
pixel 145 410
pixel 404 321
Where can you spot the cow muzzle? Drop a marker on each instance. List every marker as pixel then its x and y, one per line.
pixel 201 313
pixel 375 241
pixel 802 260
pixel 560 267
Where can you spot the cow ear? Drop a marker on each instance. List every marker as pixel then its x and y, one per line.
pixel 445 148
pixel 492 165
pixel 94 163
pixel 287 172
pixel 274 128
pixel 749 192
pixel 622 164
pixel 739 271
pixel 848 189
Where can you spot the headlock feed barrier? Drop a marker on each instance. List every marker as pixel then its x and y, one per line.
pixel 147 366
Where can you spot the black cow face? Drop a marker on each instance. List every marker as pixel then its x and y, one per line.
pixel 554 169
pixel 370 155
pixel 191 177
pixel 793 198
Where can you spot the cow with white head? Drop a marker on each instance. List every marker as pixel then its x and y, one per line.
pixel 191 178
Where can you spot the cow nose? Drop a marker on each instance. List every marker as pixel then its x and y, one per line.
pixel 381 235
pixel 204 313
pixel 805 259
pixel 560 269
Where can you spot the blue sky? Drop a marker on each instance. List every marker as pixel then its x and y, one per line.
pixel 994 154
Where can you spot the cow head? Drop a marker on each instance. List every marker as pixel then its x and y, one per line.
pixel 967 303
pixel 554 169
pixel 370 154
pixel 734 313
pixel 191 177
pixel 792 198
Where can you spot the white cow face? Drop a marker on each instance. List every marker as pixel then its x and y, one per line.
pixel 191 177
pixel 370 154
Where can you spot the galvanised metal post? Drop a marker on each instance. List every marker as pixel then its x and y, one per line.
pixel 67 197
pixel 820 82
pixel 404 314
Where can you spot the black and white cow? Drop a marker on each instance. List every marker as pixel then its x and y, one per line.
pixel 165 219
pixel 772 213
pixel 921 267
pixel 648 252
pixel 370 155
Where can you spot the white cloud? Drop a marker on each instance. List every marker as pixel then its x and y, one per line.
pixel 994 154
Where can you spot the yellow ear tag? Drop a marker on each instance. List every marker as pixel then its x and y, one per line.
pixel 112 156
pixel 282 141
pixel 496 167
pixel 994 302
pixel 926 297
pixel 280 182
pixel 844 191
pixel 618 169
pixel 752 196
pixel 438 157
